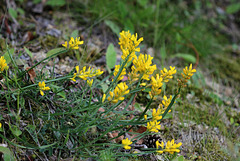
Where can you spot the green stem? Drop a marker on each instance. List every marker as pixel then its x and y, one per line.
pixel 148 105
pixel 118 74
pixel 90 99
pixel 170 105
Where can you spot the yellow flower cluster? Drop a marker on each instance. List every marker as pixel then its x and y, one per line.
pixel 156 114
pixel 143 66
pixel 3 64
pixel 128 44
pixel 166 75
pixel 153 126
pixel 125 143
pixel 42 87
pixel 90 82
pixel 186 75
pixel 165 103
pixel 73 44
pixel 83 74
pixel 170 147
pixel 116 70
pixel 118 93
pixel 156 83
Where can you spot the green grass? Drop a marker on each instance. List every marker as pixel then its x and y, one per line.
pixel 174 25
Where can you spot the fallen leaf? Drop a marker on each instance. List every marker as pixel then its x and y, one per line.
pixel 32 74
pixel 101 109
pixel 115 134
pixel 118 139
pixel 140 130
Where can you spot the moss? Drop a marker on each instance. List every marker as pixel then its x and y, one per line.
pixel 227 67
pixel 49 42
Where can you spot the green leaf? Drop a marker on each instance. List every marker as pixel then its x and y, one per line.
pixel 181 158
pixel 7 154
pixel 54 51
pixel 163 52
pixel 142 3
pixel 28 52
pixel 178 37
pixel 62 94
pixel 112 26
pixel 233 8
pixel 104 87
pixel 66 139
pixel 168 115
pixel 21 11
pixel 231 120
pixel 187 57
pixel 36 1
pixel 74 34
pixel 15 130
pixel 12 12
pixel 7 56
pixel 128 25
pixel 138 107
pixel 55 3
pixel 147 90
pixel 111 56
pixel 31 130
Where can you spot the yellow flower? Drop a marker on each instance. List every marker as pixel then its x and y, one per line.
pixel 156 83
pixel 104 97
pixel 153 126
pixel 186 75
pixel 83 74
pixel 65 44
pixel 124 39
pixel 3 64
pixel 118 93
pixel 165 102
pixel 0 125
pixel 116 70
pixel 42 87
pixel 90 82
pixel 145 117
pixel 166 75
pixel 171 147
pixel 125 143
pixel 156 114
pixel 133 76
pixel 143 65
pixel 128 44
pixel 73 44
pixel 159 145
pixel 74 76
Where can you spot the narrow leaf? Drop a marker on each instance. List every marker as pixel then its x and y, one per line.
pixel 74 34
pixel 54 51
pixel 28 52
pixel 112 26
pixel 7 56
